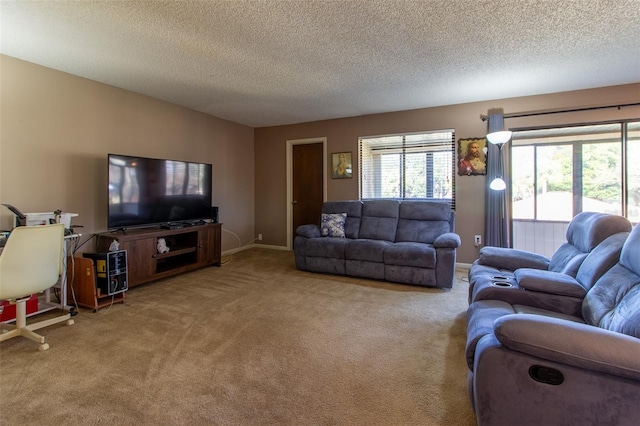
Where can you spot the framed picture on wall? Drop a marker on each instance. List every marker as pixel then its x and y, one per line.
pixel 472 156
pixel 341 165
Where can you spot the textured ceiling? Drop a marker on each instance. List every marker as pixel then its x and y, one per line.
pixel 264 63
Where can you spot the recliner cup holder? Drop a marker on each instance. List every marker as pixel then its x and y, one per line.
pixel 501 284
pixel 499 278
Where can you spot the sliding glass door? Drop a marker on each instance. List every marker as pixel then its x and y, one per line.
pixel 562 171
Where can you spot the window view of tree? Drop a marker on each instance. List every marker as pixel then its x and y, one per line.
pixel 633 171
pixel 522 187
pixel 554 183
pixel 416 176
pixel 601 177
pixel 390 167
pixel 558 173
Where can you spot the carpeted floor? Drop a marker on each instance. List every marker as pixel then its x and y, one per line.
pixel 255 342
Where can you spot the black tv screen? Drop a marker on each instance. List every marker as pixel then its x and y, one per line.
pixel 150 191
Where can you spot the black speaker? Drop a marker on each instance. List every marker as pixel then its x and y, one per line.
pixel 111 271
pixel 214 214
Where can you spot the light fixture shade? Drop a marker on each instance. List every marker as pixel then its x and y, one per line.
pixel 499 138
pixel 498 184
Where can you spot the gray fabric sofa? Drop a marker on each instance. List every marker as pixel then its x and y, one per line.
pixel 556 291
pixel 492 275
pixel 409 242
pixel 531 366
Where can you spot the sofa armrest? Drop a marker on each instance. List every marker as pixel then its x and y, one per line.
pixel 309 231
pixel 511 259
pixel 447 240
pixel 549 282
pixel 570 343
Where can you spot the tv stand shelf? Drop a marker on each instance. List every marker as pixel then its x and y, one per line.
pixel 190 248
pixel 174 253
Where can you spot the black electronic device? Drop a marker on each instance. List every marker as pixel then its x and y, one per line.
pixel 176 225
pixel 214 215
pixel 150 191
pixel 111 271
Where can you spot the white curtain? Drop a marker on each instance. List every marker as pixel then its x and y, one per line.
pixel 497 211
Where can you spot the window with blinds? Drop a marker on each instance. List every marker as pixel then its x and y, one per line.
pixel 408 166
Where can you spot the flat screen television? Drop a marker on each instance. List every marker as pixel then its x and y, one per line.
pixel 150 192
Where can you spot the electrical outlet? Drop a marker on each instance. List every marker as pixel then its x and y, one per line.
pixel 259 237
pixel 477 240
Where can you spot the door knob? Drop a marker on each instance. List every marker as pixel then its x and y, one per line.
pixel 294 202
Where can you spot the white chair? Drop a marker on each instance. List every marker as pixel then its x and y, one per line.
pixel 30 263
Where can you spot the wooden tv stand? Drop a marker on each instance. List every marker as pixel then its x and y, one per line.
pixel 190 247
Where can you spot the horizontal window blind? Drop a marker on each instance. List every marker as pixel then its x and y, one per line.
pixel 408 166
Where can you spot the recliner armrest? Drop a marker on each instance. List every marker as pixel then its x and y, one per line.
pixel 309 231
pixel 511 259
pixel 571 343
pixel 447 240
pixel 549 282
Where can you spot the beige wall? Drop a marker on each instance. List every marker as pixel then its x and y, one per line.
pixel 342 135
pixel 56 130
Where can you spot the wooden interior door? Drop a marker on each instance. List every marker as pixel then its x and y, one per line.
pixel 307 184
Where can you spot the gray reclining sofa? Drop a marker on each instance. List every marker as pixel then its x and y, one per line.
pixel 533 366
pixel 555 291
pixel 409 242
pixel 502 273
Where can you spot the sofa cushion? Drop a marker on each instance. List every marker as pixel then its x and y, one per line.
pixel 567 259
pixel 379 220
pixel 308 231
pixel 613 302
pixel 332 224
pixel 480 318
pixel 629 254
pixel 410 254
pixel 447 240
pixel 601 259
pixel 367 250
pixel 326 247
pixel 569 343
pixel 419 231
pixel 586 230
pixel 509 259
pixel 422 221
pixel 549 282
pixel 352 208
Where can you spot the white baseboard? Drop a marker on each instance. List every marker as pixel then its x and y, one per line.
pixel 253 245
pixel 271 247
pixel 463 265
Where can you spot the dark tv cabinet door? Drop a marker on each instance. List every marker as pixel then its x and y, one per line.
pixel 189 248
pixel 140 253
pixel 209 242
